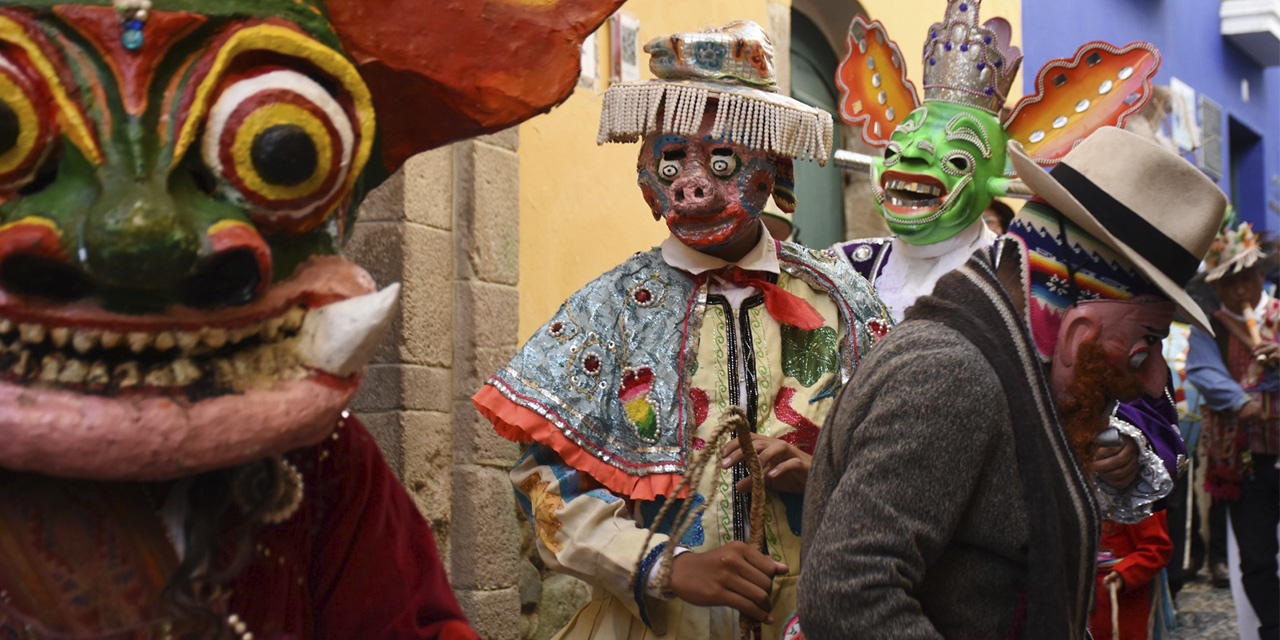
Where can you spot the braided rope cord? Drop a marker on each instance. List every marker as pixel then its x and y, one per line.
pixel 734 422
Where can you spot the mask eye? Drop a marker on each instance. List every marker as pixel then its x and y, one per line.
pixel 26 127
pixel 958 163
pixel 280 145
pixel 1138 359
pixel 670 165
pixel 891 154
pixel 723 163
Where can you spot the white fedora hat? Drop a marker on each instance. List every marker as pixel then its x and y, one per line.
pixel 1147 203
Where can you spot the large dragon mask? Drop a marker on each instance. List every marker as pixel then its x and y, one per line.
pixel 176 180
pixel 944 160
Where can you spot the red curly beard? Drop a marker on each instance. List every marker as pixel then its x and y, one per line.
pixel 1095 383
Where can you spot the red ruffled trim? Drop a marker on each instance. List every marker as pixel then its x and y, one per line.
pixel 521 424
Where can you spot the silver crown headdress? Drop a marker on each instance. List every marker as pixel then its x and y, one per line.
pixel 968 63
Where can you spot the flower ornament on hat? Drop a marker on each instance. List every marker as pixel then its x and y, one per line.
pixel 730 70
pixel 944 160
pixel 1233 251
pixel 1148 206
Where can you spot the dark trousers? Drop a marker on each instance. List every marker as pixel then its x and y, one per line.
pixel 1217 530
pixel 1254 518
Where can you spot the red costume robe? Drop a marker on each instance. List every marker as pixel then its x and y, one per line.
pixel 1144 549
pixel 357 560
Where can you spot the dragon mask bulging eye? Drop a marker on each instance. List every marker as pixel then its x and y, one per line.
pixel 281 145
pixel 26 128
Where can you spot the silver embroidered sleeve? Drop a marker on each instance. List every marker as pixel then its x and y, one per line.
pixel 1136 502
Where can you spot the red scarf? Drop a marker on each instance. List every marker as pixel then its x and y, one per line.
pixel 784 306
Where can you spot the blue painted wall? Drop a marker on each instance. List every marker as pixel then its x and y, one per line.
pixel 1192 50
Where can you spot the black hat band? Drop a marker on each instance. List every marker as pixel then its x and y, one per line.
pixel 1128 227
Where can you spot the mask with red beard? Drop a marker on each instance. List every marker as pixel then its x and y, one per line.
pixel 1095 386
pixel 1106 351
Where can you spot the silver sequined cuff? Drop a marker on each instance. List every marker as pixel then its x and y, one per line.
pixel 1136 502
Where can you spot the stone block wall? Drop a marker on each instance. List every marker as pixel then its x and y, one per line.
pixel 446 227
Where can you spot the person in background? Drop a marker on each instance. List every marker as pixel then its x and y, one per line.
pixel 997 217
pixel 1235 370
pixel 1130 556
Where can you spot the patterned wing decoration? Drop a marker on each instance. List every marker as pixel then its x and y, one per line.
pixel 1100 87
pixel 874 90
pixel 444 70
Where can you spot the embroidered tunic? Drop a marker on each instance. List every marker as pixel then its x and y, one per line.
pixel 630 379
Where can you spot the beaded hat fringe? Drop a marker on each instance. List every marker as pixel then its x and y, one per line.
pixel 630 112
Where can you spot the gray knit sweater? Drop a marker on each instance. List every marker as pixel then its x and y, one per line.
pixel 914 526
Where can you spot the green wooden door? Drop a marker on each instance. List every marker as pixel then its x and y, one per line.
pixel 819 217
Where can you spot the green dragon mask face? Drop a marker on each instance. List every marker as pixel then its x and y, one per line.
pixel 175 184
pixel 940 170
pixel 945 159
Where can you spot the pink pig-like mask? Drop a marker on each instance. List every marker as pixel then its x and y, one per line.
pixel 709 192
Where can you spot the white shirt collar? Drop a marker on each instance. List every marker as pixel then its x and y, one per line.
pixel 1257 311
pixel 973 237
pixel 762 257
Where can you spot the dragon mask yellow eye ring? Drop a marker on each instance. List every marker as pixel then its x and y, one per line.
pixel 293 44
pixel 263 119
pixel 282 144
pixel 70 118
pixel 19 159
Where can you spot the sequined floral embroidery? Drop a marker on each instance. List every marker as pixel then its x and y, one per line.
pixel 804 433
pixel 588 362
pixel 701 406
pixel 878 328
pixel 639 409
pixel 563 326
pixel 651 292
pixel 693 537
pixel 545 504
pixel 709 55
pixel 807 355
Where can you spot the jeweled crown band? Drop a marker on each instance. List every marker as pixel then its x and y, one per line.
pixel 969 63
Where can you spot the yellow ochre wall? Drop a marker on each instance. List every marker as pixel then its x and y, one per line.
pixel 581 212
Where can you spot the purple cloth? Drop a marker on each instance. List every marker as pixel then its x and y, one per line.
pixel 867 255
pixel 1157 418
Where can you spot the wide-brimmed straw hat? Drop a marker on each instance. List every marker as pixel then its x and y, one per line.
pixel 731 66
pixel 1234 250
pixel 1150 205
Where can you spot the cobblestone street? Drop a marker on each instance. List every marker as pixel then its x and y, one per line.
pixel 1205 613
